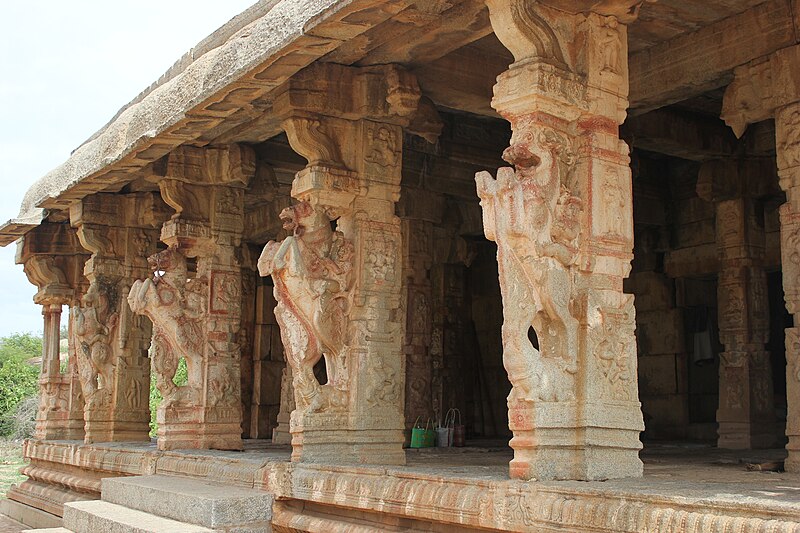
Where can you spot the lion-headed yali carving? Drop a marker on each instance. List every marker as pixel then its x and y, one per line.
pixel 533 217
pixel 311 270
pixel 177 306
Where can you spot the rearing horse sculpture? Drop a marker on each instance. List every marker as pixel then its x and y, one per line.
pixel 534 219
pixel 311 270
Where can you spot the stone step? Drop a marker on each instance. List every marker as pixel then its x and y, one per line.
pixel 192 501
pixel 48 530
pixel 99 516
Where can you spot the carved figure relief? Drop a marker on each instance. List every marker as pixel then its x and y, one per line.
pixel 95 324
pixel 383 388
pixel 532 215
pixel 383 149
pixel 609 44
pixel 311 270
pixel 789 141
pixel 177 307
pixel 616 351
pixel 380 258
pixel 615 206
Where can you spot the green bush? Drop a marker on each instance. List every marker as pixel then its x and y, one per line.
pixel 19 380
pixel 181 378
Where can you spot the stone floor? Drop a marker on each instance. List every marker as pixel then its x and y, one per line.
pixel 695 472
pixel 10 526
pixel 687 475
pixel 692 471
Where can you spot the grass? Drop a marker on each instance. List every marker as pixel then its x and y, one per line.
pixel 10 463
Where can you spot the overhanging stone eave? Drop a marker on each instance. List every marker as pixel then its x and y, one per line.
pixel 249 64
pixel 16 228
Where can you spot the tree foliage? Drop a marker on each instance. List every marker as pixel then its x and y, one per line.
pixel 19 378
pixel 180 379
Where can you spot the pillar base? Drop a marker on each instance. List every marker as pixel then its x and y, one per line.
pixel 746 436
pixel 57 426
pixel 567 441
pixel 333 438
pixel 792 463
pixel 281 434
pixel 101 427
pixel 191 428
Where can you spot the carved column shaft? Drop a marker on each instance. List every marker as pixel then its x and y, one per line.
pixel 196 313
pixel 53 261
pixel 340 292
pixel 563 223
pixel 418 290
pixel 787 122
pixel 746 413
pixel 111 342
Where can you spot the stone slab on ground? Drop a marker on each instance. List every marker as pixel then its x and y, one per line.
pixel 95 516
pixel 27 515
pixel 190 500
pixel 48 530
pixel 8 525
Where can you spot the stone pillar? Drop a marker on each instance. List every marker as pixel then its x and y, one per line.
pixel 282 434
pixel 563 222
pixel 53 261
pixel 339 292
pixel 787 123
pixel 111 343
pixel 746 413
pixel 763 89
pixel 196 312
pixel 418 294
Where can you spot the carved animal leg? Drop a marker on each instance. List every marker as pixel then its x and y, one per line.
pixel 87 373
pixel 519 355
pixel 556 300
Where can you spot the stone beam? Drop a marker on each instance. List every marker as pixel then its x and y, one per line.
pixel 674 70
pixel 683 135
pixel 696 62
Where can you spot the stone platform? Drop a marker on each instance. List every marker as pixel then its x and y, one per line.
pixel 685 488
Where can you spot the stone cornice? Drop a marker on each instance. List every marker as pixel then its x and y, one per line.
pixel 249 64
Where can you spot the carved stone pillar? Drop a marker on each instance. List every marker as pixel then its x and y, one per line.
pixel 282 434
pixel 111 342
pixel 196 312
pixel 787 123
pixel 763 89
pixel 746 413
pixel 339 292
pixel 563 222
pixel 418 294
pixel 53 261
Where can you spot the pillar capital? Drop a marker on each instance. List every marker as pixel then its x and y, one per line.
pixel 761 88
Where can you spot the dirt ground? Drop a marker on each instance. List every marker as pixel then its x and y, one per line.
pixel 10 463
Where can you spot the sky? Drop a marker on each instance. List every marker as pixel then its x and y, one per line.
pixel 65 70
